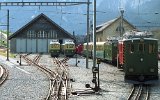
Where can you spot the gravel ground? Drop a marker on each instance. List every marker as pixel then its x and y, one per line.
pixel 24 82
pixel 111 82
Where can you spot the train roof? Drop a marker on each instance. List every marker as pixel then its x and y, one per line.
pixel 54 42
pixel 132 39
pixel 88 43
pixel 68 43
pixel 100 43
pixel 137 34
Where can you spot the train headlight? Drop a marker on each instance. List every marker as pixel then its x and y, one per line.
pixel 141 59
pixel 131 69
pixel 152 70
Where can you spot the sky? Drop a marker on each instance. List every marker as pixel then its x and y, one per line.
pixel 74 18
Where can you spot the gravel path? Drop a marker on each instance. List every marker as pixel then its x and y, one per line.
pixel 24 82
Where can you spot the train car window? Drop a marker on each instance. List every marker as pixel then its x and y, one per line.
pixel 84 47
pixel 145 47
pixel 141 47
pixel 70 46
pixel 52 46
pixel 131 48
pixel 151 48
pixel 66 46
pixel 57 45
pixel 90 47
pixel 99 47
pixel 154 48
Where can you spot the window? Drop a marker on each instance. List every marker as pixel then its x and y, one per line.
pixel 89 47
pixel 151 48
pixel 141 47
pixel 84 47
pixel 131 48
pixel 99 47
pixel 56 46
pixel 69 45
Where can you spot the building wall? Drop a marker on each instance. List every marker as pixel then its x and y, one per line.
pixel 13 45
pixel 110 31
pixel 99 36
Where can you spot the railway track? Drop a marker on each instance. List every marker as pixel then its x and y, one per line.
pixel 4 76
pixel 138 92
pixel 61 82
pixel 58 78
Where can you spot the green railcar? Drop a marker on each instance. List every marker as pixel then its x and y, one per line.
pixel 110 51
pixel 139 59
pixel 54 48
pixel 90 48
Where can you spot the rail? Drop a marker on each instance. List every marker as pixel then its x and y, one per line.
pixel 4 74
pixel 58 78
pixel 137 91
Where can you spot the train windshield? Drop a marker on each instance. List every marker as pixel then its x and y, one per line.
pixel 55 46
pixel 70 46
pixel 131 48
pixel 141 47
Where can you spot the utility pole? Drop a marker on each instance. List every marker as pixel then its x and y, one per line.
pixel 121 25
pixel 90 31
pixel 87 32
pixel 7 35
pixel 94 34
pixel 95 70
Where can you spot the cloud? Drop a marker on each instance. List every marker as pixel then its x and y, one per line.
pixel 136 3
pixel 32 16
pixel 64 18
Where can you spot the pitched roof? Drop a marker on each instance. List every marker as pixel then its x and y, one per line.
pixel 103 26
pixel 34 20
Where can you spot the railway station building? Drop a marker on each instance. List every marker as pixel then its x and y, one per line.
pixel 112 28
pixel 35 36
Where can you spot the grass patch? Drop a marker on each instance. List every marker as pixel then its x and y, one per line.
pixel 3 53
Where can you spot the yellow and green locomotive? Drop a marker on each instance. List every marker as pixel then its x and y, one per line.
pixel 68 48
pixel 54 48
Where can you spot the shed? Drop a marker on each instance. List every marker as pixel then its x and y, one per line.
pixel 35 36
